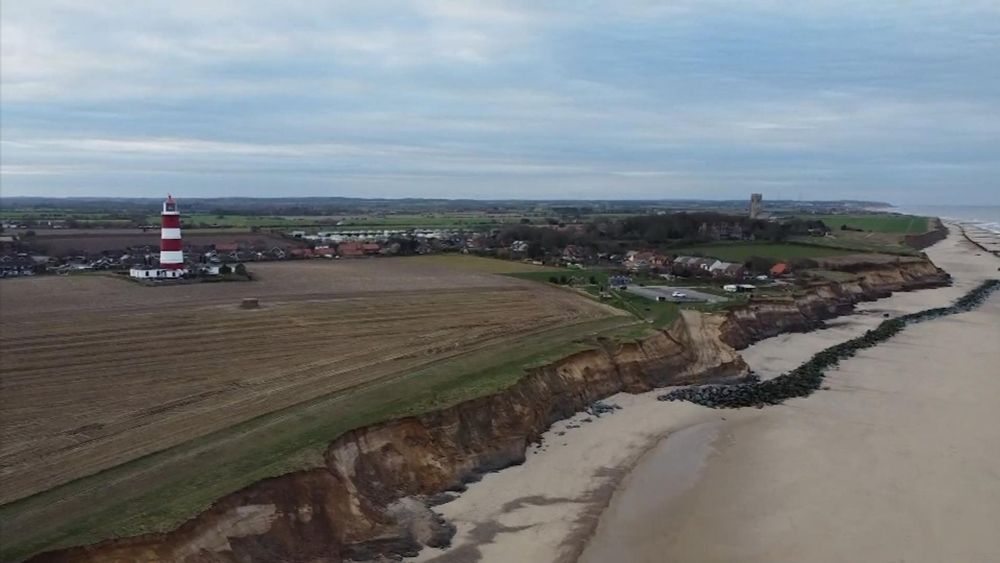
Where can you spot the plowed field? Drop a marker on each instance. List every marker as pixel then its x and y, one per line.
pixel 98 371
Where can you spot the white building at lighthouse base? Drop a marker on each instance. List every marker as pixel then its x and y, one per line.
pixel 156 273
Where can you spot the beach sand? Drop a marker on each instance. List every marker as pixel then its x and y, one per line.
pixel 898 461
pixel 895 454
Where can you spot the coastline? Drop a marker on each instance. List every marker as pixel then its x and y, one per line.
pixel 377 477
pixel 851 473
pixel 560 504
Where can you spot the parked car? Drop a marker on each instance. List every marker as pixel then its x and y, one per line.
pixel 678 294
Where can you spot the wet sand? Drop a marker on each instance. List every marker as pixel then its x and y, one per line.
pixel 545 509
pixel 898 461
pixel 659 481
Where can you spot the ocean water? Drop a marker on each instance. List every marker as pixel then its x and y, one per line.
pixel 983 216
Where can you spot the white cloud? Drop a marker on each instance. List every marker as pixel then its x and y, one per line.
pixel 631 94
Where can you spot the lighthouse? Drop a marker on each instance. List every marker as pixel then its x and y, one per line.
pixel 171 247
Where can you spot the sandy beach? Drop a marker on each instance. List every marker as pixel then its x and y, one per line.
pixel 890 463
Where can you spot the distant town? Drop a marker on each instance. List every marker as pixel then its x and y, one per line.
pixel 70 236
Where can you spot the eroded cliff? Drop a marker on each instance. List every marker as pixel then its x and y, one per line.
pixel 355 507
pixel 764 317
pixel 369 498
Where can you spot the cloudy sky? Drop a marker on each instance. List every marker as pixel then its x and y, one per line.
pixel 824 99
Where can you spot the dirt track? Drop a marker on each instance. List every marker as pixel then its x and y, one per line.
pixel 98 371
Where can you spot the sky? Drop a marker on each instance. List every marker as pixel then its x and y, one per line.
pixel 825 99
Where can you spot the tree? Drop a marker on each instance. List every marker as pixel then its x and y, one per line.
pixel 759 264
pixel 535 250
pixel 241 270
pixel 225 270
pixel 593 280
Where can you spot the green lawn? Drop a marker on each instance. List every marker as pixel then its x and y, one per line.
pixel 245 221
pixel 879 223
pixel 432 220
pixel 655 314
pixel 741 251
pixel 162 490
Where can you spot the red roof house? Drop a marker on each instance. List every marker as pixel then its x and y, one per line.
pixel 779 269
pixel 351 249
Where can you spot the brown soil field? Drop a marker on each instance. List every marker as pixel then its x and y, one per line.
pixel 63 242
pixel 97 371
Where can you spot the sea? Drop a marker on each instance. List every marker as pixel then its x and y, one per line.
pixel 986 217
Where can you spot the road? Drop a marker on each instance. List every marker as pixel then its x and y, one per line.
pixel 666 291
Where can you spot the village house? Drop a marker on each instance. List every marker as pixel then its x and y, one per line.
pixel 350 249
pixel 576 254
pixel 692 265
pixel 780 269
pixel 16 266
pixel 731 270
pixel 643 260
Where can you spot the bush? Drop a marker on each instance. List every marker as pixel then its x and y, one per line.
pixel 225 270
pixel 553 279
pixel 241 270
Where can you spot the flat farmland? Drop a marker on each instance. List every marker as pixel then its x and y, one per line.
pixel 65 241
pixel 113 391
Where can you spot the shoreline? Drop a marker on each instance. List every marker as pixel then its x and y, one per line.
pixel 753 495
pixel 986 240
pixel 444 450
pixel 561 525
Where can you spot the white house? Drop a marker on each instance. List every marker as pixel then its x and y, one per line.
pixel 155 273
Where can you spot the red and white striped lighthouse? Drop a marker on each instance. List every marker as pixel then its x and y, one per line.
pixel 171 248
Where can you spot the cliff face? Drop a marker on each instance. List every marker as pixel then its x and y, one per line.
pixel 361 504
pixel 936 233
pixel 355 506
pixel 765 317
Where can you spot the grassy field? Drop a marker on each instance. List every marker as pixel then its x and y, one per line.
pixel 54 214
pixel 854 241
pixel 115 439
pixel 247 221
pixel 741 251
pixel 879 223
pixel 334 222
pixel 655 314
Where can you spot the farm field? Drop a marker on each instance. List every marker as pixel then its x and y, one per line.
pixel 130 408
pixel 740 251
pixel 374 221
pixel 473 263
pixel 61 242
pixel 879 223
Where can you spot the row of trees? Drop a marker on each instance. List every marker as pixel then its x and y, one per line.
pixel 662 231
